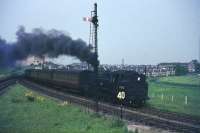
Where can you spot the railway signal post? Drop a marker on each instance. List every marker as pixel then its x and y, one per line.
pixel 94 20
pixel 121 96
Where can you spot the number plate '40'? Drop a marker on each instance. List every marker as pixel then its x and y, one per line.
pixel 121 95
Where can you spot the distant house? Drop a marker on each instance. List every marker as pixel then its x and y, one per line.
pixel 191 66
pixel 31 60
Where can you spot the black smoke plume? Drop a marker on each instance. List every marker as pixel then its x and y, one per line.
pixel 6 50
pixel 39 43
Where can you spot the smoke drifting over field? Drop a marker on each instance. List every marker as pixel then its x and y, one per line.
pixel 39 43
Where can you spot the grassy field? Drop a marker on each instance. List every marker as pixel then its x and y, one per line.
pixel 190 79
pixel 177 94
pixel 19 114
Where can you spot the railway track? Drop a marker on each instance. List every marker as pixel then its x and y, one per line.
pixel 146 116
pixel 5 83
pixel 170 115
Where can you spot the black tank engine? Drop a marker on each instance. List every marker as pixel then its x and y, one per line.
pixel 116 87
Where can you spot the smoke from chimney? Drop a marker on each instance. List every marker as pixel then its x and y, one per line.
pixel 39 43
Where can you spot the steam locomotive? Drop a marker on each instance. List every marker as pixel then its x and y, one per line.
pixel 131 84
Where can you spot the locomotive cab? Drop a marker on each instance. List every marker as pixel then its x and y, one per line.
pixel 124 87
pixel 133 86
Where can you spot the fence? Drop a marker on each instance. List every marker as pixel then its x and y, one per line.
pixel 170 98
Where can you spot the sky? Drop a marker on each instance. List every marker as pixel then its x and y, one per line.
pixel 138 31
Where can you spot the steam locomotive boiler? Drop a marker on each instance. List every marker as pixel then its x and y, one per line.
pixel 133 84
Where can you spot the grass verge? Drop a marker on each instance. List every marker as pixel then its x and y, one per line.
pixel 175 97
pixel 19 113
pixel 185 80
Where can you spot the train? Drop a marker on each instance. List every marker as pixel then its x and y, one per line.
pixel 119 87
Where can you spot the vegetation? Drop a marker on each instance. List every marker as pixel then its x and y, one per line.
pixel 177 94
pixel 197 67
pixel 182 80
pixel 22 111
pixel 180 70
pixel 5 72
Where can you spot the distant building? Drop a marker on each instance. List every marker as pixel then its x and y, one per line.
pixel 31 60
pixel 162 69
pixel 191 66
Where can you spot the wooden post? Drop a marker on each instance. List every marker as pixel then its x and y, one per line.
pixel 172 98
pixel 186 100
pixel 121 112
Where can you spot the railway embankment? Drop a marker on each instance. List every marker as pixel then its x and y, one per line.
pixel 23 110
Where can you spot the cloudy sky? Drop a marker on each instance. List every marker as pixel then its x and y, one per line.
pixel 140 31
